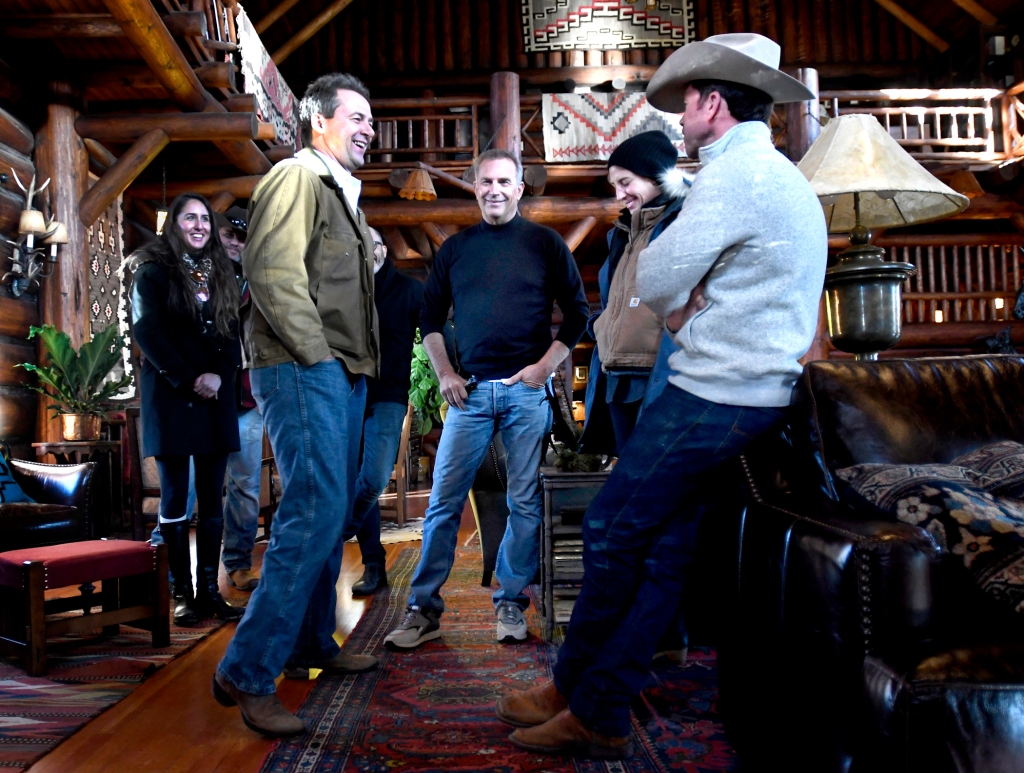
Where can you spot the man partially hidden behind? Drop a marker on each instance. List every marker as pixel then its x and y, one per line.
pixel 501 277
pixel 752 231
pixel 310 338
pixel 398 299
pixel 242 502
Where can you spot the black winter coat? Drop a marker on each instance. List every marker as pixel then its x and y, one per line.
pixel 398 299
pixel 176 350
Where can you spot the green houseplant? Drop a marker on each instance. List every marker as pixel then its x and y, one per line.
pixel 75 380
pixel 424 388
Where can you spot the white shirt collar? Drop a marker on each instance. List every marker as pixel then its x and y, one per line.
pixel 350 185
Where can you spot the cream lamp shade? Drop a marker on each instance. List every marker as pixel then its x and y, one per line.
pixel 856 164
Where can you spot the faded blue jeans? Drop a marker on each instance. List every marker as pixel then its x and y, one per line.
pixel 242 505
pixel 638 536
pixel 314 418
pixel 382 434
pixel 523 416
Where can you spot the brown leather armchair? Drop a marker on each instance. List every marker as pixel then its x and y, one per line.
pixel 62 511
pixel 853 645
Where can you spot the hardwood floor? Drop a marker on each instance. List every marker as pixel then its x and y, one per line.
pixel 172 724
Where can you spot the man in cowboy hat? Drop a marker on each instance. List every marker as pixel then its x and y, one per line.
pixel 738 278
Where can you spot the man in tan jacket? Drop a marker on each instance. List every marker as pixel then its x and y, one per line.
pixel 311 337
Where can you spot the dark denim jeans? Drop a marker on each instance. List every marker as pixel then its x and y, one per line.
pixel 638 537
pixel 314 418
pixel 382 434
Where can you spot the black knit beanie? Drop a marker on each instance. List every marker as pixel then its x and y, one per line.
pixel 648 154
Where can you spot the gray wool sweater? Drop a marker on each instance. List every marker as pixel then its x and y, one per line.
pixel 753 226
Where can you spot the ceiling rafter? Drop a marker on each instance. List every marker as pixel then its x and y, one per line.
pixel 921 29
pixel 314 26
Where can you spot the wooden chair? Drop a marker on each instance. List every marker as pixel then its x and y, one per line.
pixel 144 481
pixel 401 473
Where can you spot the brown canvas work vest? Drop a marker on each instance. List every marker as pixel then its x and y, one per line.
pixel 628 332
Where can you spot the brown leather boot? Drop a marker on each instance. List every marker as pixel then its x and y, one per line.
pixel 565 734
pixel 262 713
pixel 530 707
pixel 343 664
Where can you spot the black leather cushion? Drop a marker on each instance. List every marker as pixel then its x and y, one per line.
pixel 923 411
pixel 29 524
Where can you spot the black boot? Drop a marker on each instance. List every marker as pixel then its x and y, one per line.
pixel 175 536
pixel 209 602
pixel 374 578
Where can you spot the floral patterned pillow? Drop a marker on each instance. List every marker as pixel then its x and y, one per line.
pixel 958 507
pixel 1002 463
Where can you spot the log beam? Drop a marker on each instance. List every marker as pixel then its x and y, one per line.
pixel 579 232
pixel 314 26
pixel 240 103
pixel 95 25
pixel 917 26
pixel 434 233
pixel 505 117
pixel 179 127
pixel 10 211
pixel 978 11
pixel 275 13
pixel 123 172
pixel 239 187
pixel 99 154
pixel 221 201
pixel 145 30
pixel 13 161
pixel 398 247
pixel 542 209
pixel 15 134
pixel 212 75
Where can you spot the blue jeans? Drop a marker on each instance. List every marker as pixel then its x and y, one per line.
pixel 638 536
pixel 523 416
pixel 314 417
pixel 242 506
pixel 382 433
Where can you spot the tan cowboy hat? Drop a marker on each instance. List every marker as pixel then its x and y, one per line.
pixel 739 57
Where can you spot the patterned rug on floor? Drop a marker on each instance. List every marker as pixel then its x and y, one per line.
pixel 87 675
pixel 433 709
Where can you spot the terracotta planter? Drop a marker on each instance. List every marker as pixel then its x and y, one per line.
pixel 80 426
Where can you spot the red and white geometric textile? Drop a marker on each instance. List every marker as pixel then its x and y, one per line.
pixel 561 25
pixel 275 102
pixel 588 127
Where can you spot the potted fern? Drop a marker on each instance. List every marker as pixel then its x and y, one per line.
pixel 77 380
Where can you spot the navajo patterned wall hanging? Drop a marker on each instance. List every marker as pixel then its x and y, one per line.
pixel 561 25
pixel 588 127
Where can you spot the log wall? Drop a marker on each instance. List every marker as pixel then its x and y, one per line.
pixel 422 37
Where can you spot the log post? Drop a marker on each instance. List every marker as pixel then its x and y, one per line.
pixel 123 172
pixel 802 124
pixel 505 118
pixel 64 296
pixel 221 201
pixel 579 232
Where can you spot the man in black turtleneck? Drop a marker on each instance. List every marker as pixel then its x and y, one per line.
pixel 501 276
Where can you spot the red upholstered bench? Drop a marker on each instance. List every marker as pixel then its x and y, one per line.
pixel 135 590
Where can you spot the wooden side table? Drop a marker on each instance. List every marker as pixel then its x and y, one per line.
pixel 103 452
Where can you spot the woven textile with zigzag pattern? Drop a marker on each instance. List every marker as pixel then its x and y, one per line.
pixel 432 709
pixel 559 25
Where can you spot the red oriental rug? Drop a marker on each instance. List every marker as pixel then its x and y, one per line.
pixel 87 675
pixel 432 709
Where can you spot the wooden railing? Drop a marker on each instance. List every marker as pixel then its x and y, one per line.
pixel 428 129
pixel 949 125
pixel 960 278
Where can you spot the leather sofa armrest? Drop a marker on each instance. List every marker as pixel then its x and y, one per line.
pixel 59 484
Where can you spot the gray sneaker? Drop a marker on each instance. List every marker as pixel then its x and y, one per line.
pixel 416 627
pixel 511 622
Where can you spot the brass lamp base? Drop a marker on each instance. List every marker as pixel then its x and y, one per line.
pixel 863 293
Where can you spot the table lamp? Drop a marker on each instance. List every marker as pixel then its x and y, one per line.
pixel 865 180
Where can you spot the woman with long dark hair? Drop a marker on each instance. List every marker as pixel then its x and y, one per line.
pixel 185 321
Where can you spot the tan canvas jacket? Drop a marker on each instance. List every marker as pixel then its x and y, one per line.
pixel 309 261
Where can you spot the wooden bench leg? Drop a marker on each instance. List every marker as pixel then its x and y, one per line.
pixel 35 586
pixel 111 596
pixel 161 601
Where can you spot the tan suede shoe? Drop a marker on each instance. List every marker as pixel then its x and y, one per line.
pixel 530 707
pixel 243 579
pixel 565 734
pixel 263 713
pixel 343 664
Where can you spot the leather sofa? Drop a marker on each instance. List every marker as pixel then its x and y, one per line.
pixel 852 643
pixel 62 511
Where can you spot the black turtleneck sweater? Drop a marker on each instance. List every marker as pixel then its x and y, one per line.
pixel 502 282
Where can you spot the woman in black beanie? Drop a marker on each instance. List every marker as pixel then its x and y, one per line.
pixel 643 172
pixel 185 321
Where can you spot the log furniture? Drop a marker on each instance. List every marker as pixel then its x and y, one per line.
pixel 135 591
